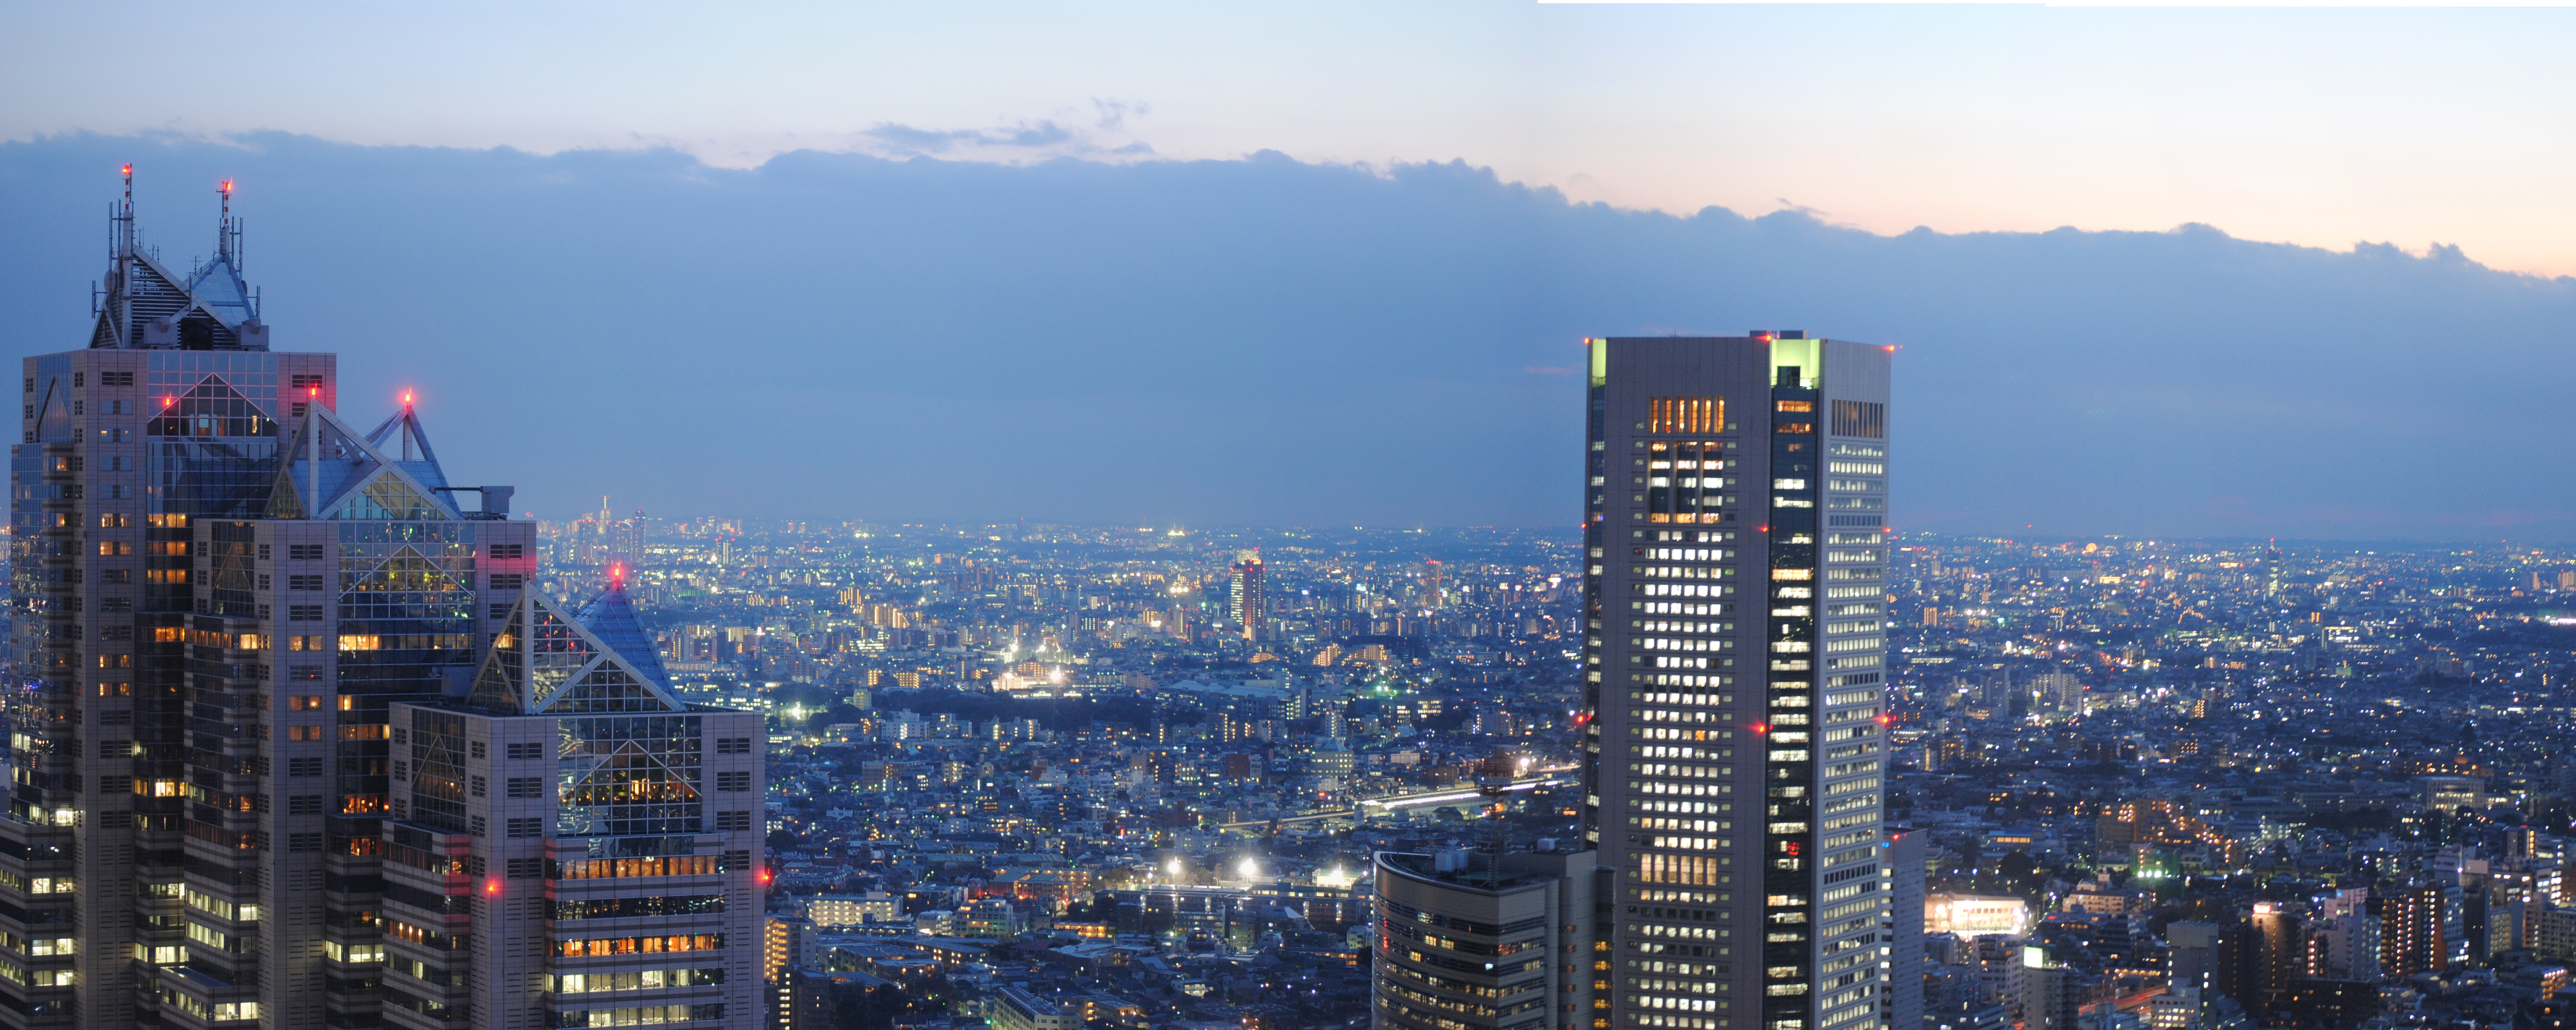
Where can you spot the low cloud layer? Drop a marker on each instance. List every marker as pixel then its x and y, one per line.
pixel 1269 342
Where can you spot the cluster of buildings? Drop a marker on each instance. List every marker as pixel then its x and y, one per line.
pixel 305 734
pixel 2238 784
pixel 296 742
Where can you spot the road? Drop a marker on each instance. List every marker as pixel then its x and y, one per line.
pixel 1453 795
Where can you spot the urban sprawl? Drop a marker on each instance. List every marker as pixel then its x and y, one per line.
pixel 1135 776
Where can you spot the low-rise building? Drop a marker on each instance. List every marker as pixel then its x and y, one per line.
pixel 1010 1008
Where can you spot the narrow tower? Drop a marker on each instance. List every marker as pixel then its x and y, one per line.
pixel 1246 602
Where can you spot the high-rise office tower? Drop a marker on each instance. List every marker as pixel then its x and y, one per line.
pixel 1244 603
pixel 257 778
pixel 1735 525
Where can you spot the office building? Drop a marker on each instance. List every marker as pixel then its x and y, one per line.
pixel 246 734
pixel 606 830
pixel 2052 992
pixel 2194 970
pixel 1485 940
pixel 2284 958
pixel 853 909
pixel 1012 1008
pixel 2177 1008
pixel 811 999
pixel 1736 598
pixel 1244 602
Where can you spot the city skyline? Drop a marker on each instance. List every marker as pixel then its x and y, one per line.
pixel 1472 515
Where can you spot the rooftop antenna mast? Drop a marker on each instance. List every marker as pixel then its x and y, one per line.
pixel 125 222
pixel 120 250
pixel 224 234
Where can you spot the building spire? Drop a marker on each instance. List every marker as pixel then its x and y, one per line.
pixel 124 219
pixel 224 233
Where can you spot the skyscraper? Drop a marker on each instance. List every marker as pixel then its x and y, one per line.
pixel 1735 524
pixel 259 780
pixel 1244 603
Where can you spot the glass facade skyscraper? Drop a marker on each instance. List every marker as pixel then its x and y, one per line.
pixel 276 753
pixel 1735 530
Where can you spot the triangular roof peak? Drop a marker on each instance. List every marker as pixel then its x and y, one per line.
pixel 611 617
pixel 332 472
pixel 547 661
pixel 400 437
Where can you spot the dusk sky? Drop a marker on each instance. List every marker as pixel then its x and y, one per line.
pixel 999 261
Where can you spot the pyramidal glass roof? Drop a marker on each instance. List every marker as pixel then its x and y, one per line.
pixel 611 618
pixel 547 661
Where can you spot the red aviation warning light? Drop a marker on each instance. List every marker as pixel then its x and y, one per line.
pixel 766 876
pixel 492 886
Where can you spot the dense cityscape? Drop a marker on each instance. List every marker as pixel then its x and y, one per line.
pixel 1067 769
pixel 298 737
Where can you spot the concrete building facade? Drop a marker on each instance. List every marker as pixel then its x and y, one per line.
pixel 1486 941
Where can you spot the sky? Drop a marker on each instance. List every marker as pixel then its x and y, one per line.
pixel 2317 126
pixel 2263 272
